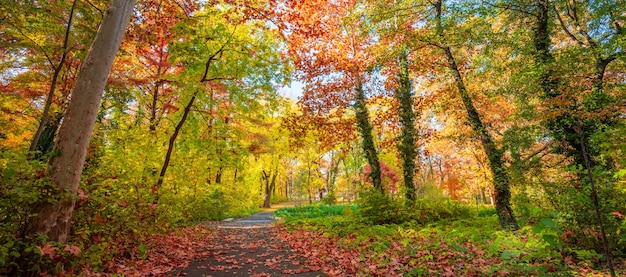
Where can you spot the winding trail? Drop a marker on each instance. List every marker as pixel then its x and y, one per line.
pixel 249 247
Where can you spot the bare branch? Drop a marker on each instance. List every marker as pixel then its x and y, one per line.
pixel 564 27
pixel 538 151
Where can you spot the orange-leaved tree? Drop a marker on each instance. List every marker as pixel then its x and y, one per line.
pixel 329 55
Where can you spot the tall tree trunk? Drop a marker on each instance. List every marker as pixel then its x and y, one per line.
pixel 153 107
pixel 365 128
pixel 170 147
pixel 596 205
pixel 157 85
pixel 501 179
pixel 407 120
pixel 53 219
pixel 567 126
pixel 43 122
pixel 179 126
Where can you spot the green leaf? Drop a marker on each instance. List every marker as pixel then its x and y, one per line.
pixel 9 173
pixel 620 174
pixel 547 222
pixel 459 248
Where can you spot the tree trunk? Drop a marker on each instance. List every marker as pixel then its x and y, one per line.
pixel 218 176
pixel 365 128
pixel 159 82
pixel 596 206
pixel 43 122
pixel 501 180
pixel 53 219
pixel 270 185
pixel 170 147
pixel 407 118
pixel 567 126
pixel 45 143
pixel 155 98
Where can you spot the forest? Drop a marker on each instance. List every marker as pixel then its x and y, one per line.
pixel 429 137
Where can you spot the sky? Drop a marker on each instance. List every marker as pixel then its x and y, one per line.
pixel 294 91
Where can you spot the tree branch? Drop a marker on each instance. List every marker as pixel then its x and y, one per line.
pixel 567 31
pixel 537 152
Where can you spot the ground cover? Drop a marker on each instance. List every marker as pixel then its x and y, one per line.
pixel 341 244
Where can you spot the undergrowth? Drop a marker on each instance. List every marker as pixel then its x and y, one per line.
pixel 433 237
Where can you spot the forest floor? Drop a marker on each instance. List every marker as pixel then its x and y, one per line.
pixel 249 246
pixel 317 244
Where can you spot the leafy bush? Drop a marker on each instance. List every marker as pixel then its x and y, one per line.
pixel 431 210
pixel 376 208
pixel 329 199
pixel 485 211
pixel 22 185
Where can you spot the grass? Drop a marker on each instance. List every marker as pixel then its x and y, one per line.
pixel 313 211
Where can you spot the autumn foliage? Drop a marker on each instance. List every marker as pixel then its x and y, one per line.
pixel 425 114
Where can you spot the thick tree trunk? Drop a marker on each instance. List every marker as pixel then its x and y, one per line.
pixel 53 219
pixel 44 121
pixel 365 128
pixel 501 179
pixel 407 120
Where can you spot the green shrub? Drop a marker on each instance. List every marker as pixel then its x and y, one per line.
pixel 22 185
pixel 329 199
pixel 486 211
pixel 376 208
pixel 430 210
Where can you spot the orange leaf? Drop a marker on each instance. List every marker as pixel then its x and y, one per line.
pixel 82 195
pixel 75 250
pixel 47 250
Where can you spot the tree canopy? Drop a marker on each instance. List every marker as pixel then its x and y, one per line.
pixel 515 104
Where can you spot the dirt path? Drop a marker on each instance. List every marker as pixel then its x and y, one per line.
pixel 249 247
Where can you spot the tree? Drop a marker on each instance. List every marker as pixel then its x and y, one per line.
pixel 407 147
pixel 53 219
pixel 330 57
pixel 46 53
pixel 568 126
pixel 501 178
pixel 151 35
pixel 57 69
